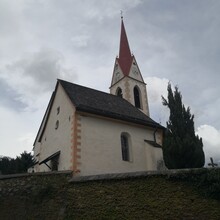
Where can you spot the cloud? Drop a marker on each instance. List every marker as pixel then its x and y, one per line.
pixel 211 141
pixel 18 130
pixel 80 40
pixel 34 75
pixel 156 88
pixel 9 97
pixel 8 13
pixel 41 67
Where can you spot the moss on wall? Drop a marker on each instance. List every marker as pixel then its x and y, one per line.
pixel 176 196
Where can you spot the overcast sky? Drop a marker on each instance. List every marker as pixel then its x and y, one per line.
pixel 42 40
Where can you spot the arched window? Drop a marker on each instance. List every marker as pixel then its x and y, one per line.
pixel 137 100
pixel 119 92
pixel 125 148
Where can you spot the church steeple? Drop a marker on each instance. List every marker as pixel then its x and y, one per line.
pixel 127 81
pixel 125 57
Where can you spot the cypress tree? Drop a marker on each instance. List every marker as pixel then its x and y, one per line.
pixel 181 147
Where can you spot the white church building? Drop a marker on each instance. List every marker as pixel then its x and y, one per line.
pixel 92 132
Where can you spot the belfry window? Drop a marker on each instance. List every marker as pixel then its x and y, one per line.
pixel 119 92
pixel 137 100
pixel 125 149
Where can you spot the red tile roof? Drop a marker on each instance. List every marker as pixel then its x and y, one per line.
pixel 125 57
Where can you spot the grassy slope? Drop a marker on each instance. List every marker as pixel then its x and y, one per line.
pixel 142 198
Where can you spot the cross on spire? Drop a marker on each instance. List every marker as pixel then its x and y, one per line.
pixel 212 164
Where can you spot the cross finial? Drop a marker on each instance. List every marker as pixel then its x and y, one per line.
pixel 121 15
pixel 212 164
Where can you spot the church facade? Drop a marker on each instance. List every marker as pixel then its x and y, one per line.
pixel 92 132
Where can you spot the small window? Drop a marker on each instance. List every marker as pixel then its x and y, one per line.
pixel 57 124
pixel 125 149
pixel 58 110
pixel 119 92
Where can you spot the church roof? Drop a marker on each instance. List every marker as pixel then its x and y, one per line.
pixel 125 57
pixel 100 103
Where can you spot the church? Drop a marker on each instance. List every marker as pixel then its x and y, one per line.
pixel 91 132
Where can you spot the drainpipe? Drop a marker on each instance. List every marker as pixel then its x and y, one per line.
pixel 155 131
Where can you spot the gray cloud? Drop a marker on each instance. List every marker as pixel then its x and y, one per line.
pixel 34 74
pixel 9 97
pixel 42 67
pixel 211 141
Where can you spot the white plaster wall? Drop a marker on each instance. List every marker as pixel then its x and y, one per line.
pixel 153 155
pixel 101 147
pixel 53 139
pixel 159 137
pixel 36 150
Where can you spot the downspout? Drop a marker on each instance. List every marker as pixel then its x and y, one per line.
pixel 155 131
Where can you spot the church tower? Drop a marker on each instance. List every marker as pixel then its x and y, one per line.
pixel 127 80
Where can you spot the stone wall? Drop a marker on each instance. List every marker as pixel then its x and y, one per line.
pixel 143 195
pixel 23 184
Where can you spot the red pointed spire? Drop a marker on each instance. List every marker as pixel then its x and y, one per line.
pixel 125 57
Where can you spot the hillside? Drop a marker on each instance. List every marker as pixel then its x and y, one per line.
pixel 52 196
